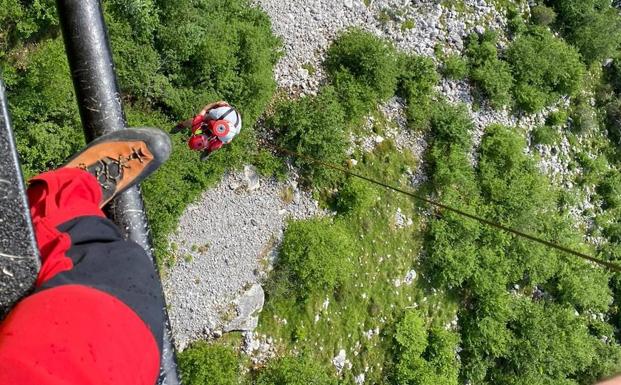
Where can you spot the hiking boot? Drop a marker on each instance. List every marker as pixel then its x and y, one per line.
pixel 121 159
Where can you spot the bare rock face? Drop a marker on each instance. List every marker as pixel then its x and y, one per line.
pixel 249 305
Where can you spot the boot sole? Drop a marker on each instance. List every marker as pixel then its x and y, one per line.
pixel 157 141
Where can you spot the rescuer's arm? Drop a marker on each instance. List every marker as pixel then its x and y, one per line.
pixel 212 106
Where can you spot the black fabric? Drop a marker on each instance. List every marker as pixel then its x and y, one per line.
pixel 105 261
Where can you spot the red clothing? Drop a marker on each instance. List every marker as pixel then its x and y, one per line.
pixel 72 334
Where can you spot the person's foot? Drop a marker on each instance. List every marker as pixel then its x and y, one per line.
pixel 122 159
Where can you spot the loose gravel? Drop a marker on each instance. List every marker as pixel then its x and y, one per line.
pixel 222 246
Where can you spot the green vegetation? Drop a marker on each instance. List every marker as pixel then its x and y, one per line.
pixel 363 69
pixel 313 126
pixel 295 371
pixel 316 256
pixel 415 83
pixel 491 75
pixel 542 15
pixel 425 357
pixel 544 68
pixel 455 67
pixel 500 327
pixel 407 25
pixel 210 364
pixel 535 71
pixel 545 135
pixel 484 307
pixel 593 26
pixel 166 74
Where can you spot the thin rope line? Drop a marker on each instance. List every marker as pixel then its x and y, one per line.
pixel 609 265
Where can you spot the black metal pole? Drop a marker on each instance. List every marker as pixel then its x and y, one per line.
pixel 99 101
pixel 19 256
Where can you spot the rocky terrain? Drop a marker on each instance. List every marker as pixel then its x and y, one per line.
pixel 229 236
pixel 223 251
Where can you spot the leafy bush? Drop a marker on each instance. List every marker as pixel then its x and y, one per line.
pixel 542 15
pixel 316 254
pixel 22 22
pixel 205 363
pixel 313 126
pixel 356 98
pixel 557 118
pixel 45 114
pixel 221 50
pixel 455 67
pixel 610 190
pixel 415 83
pixel 544 68
pixel 294 371
pixel 452 124
pixel 411 334
pixel 583 116
pixel 613 121
pixel 425 357
pixel 367 58
pixel 491 75
pixel 545 135
pixel 355 196
pixel 593 26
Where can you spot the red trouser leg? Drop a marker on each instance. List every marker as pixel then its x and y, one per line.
pixel 78 328
pixel 56 197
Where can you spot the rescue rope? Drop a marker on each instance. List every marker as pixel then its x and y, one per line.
pixel 610 265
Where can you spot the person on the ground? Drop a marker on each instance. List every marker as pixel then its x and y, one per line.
pixel 96 314
pixel 216 125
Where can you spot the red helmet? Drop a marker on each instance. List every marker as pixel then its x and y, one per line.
pixel 198 142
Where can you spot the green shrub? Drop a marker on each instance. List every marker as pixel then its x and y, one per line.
pixel 415 83
pixel 425 357
pixel 509 179
pixel 417 76
pixel 557 118
pixel 545 135
pixel 317 255
pixel 544 68
pixel 370 60
pixel 216 50
pixel 313 126
pixel 491 75
pixel 452 124
pixel 610 190
pixel 583 116
pixel 356 98
pixel 294 371
pixel 613 121
pixel 269 164
pixel 411 333
pixel 205 363
pixel 455 67
pixel 542 15
pixel 45 115
pixel 23 22
pixel 355 196
pixel 593 26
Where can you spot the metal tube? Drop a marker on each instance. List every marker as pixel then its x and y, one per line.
pixel 99 101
